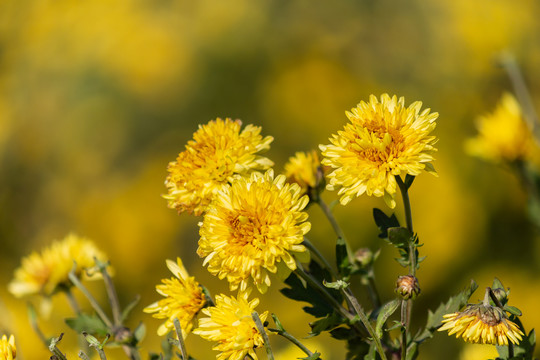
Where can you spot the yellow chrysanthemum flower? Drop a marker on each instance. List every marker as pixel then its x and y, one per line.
pixel 253 227
pixel 383 139
pixel 230 324
pixel 482 324
pixel 503 136
pixel 305 169
pixel 218 151
pixel 47 272
pixel 8 351
pixel 184 298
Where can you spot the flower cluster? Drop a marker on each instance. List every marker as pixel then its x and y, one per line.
pixel 8 351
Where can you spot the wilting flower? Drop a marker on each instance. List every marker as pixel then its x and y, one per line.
pixel 407 287
pixel 483 324
pixel 382 140
pixel 305 169
pixel 503 136
pixel 230 324
pixel 184 298
pixel 253 227
pixel 8 351
pixel 47 272
pixel 218 151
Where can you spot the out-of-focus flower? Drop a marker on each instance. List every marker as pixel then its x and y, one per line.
pixel 47 272
pixel 184 298
pixel 482 324
pixel 253 227
pixel 478 352
pixel 503 136
pixel 407 287
pixel 8 351
pixel 218 151
pixel 383 139
pixel 305 169
pixel 230 324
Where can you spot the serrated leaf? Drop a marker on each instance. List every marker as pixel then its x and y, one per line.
pixel 399 236
pixel 343 333
pixel 387 310
pixel 91 324
pixel 452 305
pixel 129 307
pixel 327 323
pixel 298 290
pixel 384 222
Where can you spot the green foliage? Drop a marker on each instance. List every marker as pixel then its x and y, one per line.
pixel 386 311
pixel 90 324
pixel 384 222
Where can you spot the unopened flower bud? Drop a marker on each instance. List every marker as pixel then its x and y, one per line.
pixel 407 287
pixel 500 294
pixel 363 257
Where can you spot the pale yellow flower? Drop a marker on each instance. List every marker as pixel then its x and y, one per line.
pixel 184 298
pixel 252 228
pixel 47 272
pixel 482 324
pixel 503 136
pixel 383 139
pixel 230 324
pixel 8 351
pixel 304 169
pixel 478 352
pixel 218 151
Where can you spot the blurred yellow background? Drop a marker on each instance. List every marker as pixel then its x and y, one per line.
pixel 97 96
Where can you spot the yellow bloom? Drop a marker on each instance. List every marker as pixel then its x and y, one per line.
pixel 482 324
pixel 382 140
pixel 8 351
pixel 218 151
pixel 183 300
pixel 47 272
pixel 503 136
pixel 229 323
pixel 304 169
pixel 253 227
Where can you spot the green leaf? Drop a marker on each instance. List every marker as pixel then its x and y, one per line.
pixel 399 236
pixel 513 310
pixel 343 333
pixel 130 307
pixel 338 285
pixel 372 353
pixel 342 258
pixel 384 222
pixel 452 305
pixel 314 356
pixel 139 333
pixel 327 323
pixel 91 324
pixel 356 349
pixel 412 351
pixel 91 340
pixel 387 310
pixel 298 290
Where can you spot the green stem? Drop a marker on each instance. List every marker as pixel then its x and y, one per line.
pixel 337 229
pixel 83 356
pixel 324 292
pixel 111 292
pixel 404 322
pixel 489 294
pixel 181 343
pixel 363 318
pixel 260 327
pixel 72 301
pixel 34 324
pixel 75 280
pixel 308 244
pixel 54 349
pixel 293 340
pixel 372 291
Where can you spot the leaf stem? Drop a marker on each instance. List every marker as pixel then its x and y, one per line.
pixel 363 318
pixel 181 343
pixel 337 229
pixel 293 340
pixel 308 244
pixel 264 335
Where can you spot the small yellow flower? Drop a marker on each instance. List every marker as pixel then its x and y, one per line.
pixel 230 324
pixel 47 272
pixel 184 298
pixel 482 324
pixel 383 139
pixel 8 351
pixel 253 227
pixel 305 169
pixel 218 151
pixel 503 136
